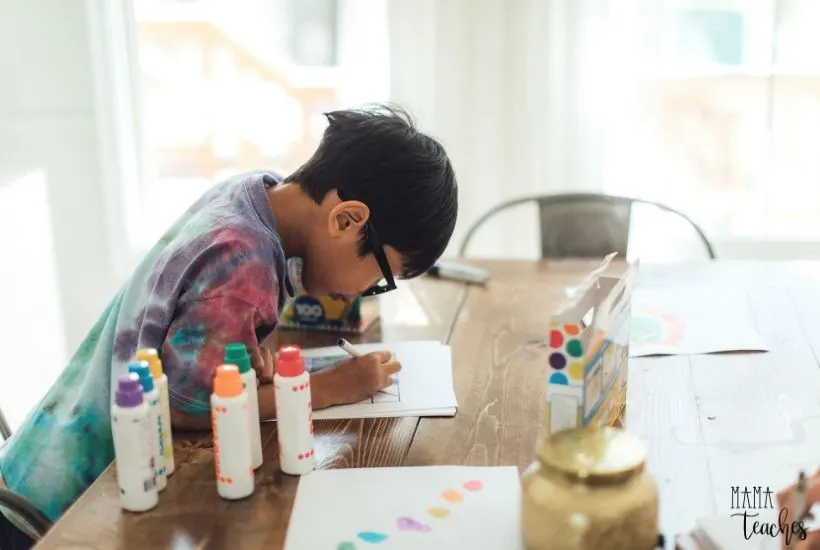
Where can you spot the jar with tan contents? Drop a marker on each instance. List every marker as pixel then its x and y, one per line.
pixel 589 490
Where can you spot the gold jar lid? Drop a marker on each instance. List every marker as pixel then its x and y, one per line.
pixel 593 455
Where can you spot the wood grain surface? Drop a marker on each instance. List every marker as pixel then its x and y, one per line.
pixel 710 422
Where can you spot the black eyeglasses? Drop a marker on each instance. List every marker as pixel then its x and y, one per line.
pixel 375 246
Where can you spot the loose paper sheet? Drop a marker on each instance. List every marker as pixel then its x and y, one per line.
pixel 424 386
pixel 692 320
pixel 435 508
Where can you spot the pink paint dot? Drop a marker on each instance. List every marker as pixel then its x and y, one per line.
pixel 473 485
pixel 295 388
pixel 301 456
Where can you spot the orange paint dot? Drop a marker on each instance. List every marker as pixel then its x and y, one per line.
pixel 452 496
pixel 230 481
pixel 572 330
pixel 439 512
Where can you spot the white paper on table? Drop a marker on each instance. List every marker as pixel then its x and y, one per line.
pixel 692 320
pixel 390 509
pixel 424 386
pixel 730 533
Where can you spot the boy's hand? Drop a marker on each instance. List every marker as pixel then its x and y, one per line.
pixel 784 501
pixel 353 380
pixel 262 361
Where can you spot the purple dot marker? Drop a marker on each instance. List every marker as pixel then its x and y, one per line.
pixel 129 391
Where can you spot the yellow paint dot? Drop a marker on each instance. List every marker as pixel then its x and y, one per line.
pixel 576 370
pixel 439 512
pixel 452 496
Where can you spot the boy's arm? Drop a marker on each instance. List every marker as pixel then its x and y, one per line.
pixel 195 346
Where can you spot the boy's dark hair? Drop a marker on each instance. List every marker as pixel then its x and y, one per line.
pixel 404 176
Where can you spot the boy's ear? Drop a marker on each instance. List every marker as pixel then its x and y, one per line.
pixel 347 219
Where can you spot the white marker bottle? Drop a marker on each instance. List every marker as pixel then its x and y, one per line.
pixel 133 447
pixel 294 412
pixel 237 354
pixel 232 446
pixel 151 395
pixel 161 382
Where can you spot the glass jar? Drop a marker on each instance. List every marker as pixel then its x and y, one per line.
pixel 589 490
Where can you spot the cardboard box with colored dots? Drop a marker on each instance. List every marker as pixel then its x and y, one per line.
pixel 588 351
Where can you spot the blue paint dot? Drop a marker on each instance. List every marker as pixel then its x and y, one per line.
pixel 370 536
pixel 558 378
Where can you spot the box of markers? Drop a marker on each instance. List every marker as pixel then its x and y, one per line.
pixel 327 314
pixel 588 352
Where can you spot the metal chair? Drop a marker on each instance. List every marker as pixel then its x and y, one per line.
pixel 21 507
pixel 5 429
pixel 583 225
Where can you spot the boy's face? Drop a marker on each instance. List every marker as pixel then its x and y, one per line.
pixel 332 265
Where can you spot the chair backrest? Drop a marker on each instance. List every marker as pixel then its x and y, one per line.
pixel 5 429
pixel 37 522
pixel 583 225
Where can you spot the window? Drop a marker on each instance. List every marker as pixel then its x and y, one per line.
pixel 228 87
pixel 728 109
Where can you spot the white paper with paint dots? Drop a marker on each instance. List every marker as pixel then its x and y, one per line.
pixel 409 508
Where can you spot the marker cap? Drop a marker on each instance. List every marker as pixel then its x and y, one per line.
pixel 227 382
pixel 237 354
pixel 290 363
pixel 129 391
pixel 141 369
pixel 151 356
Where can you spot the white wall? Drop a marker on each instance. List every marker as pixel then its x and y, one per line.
pixel 56 272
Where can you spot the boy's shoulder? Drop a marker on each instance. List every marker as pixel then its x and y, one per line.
pixel 234 214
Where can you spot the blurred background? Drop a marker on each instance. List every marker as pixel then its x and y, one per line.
pixel 116 114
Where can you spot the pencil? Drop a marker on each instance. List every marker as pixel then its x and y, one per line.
pixel 799 500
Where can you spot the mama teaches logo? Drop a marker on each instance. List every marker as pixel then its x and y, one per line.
pixel 752 501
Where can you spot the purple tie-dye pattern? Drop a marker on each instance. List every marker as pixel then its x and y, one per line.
pixel 218 275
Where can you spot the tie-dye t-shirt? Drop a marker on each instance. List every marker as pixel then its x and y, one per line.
pixel 219 275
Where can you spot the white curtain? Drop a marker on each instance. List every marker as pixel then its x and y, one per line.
pixel 514 89
pixel 705 105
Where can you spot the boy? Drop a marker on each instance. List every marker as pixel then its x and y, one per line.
pixel 377 201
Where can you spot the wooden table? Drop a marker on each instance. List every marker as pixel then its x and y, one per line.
pixel 710 422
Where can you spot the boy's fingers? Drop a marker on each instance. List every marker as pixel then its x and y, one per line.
pixel 381 356
pixel 390 369
pixel 266 374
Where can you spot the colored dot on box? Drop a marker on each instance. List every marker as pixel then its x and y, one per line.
pixel 576 370
pixel 574 348
pixel 558 361
pixel 559 378
pixel 556 339
pixel 572 330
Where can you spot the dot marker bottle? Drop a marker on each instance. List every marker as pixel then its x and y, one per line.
pixel 161 383
pixel 237 354
pixel 232 446
pixel 133 446
pixel 151 396
pixel 294 412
